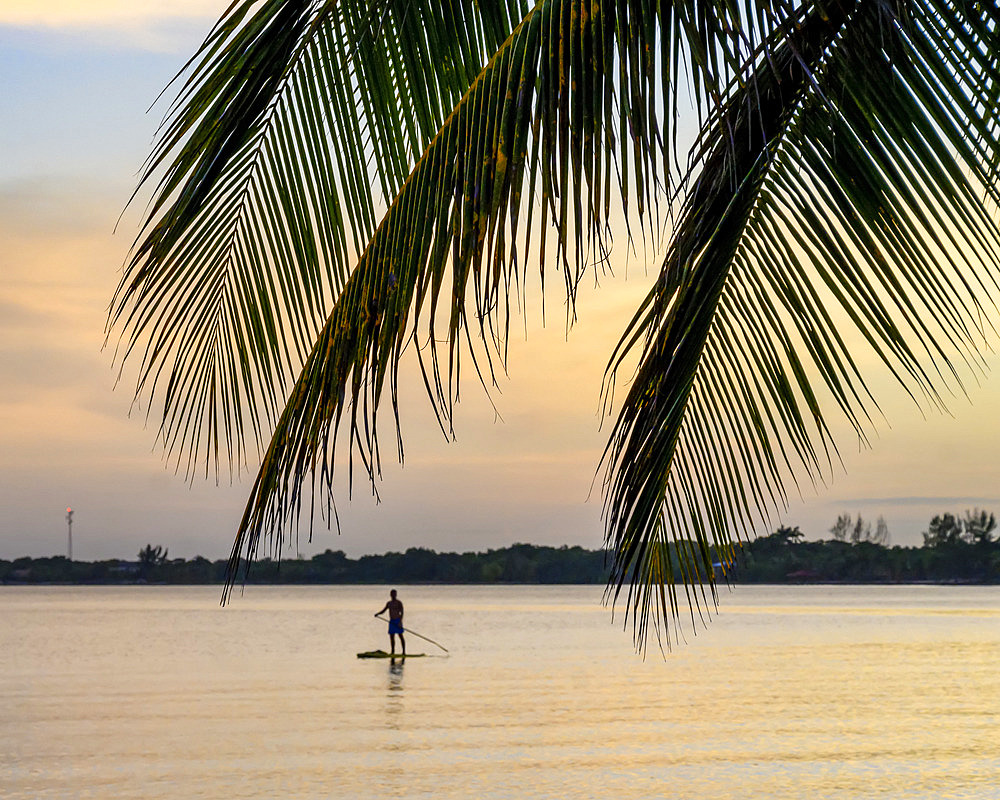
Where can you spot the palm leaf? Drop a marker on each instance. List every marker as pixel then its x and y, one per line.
pixel 572 87
pixel 856 182
pixel 292 109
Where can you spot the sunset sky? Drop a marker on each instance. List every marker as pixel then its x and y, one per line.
pixel 77 80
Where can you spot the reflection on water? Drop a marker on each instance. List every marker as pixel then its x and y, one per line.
pixel 791 692
pixel 394 695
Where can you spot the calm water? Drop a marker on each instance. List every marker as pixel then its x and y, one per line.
pixel 843 692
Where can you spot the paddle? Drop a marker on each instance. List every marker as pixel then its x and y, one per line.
pixel 418 635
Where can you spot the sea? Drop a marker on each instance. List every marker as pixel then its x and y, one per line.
pixel 146 692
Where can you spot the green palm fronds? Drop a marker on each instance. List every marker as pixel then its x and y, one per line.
pixel 854 179
pixel 291 111
pixel 845 175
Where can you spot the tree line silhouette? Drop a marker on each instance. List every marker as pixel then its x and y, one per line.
pixel 956 549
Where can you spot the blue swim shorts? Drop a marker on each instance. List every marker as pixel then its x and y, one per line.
pixel 395 626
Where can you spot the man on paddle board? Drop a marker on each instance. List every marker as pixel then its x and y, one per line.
pixel 395 609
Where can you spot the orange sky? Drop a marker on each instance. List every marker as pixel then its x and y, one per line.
pixel 78 79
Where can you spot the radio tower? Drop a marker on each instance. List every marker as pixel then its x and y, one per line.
pixel 69 522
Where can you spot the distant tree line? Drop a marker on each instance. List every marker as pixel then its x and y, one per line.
pixel 964 549
pixel 520 563
pixel 956 549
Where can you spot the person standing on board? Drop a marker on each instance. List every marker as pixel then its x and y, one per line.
pixel 395 609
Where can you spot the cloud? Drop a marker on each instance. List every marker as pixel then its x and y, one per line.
pixel 30 368
pixel 34 207
pixel 14 317
pixel 108 13
pixel 113 24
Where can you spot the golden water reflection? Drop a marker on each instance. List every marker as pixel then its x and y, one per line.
pixel 844 692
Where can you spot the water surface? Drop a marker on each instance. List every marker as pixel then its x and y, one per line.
pixel 791 692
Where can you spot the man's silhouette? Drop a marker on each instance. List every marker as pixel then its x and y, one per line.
pixel 395 609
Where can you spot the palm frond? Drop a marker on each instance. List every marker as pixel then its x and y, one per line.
pixel 562 105
pixel 857 182
pixel 265 166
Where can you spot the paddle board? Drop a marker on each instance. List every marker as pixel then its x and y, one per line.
pixel 383 654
